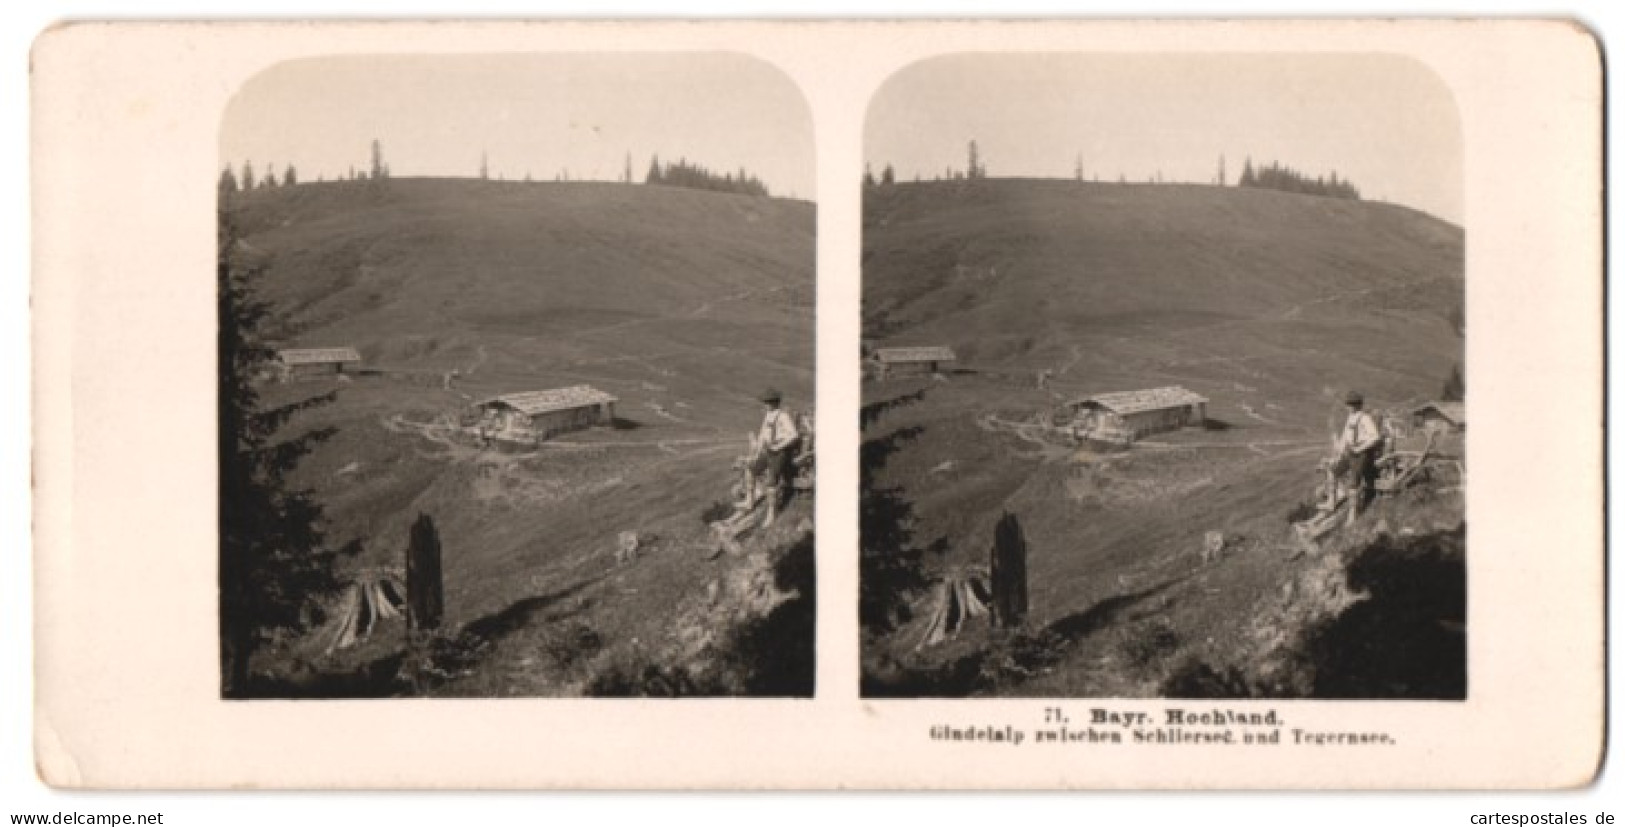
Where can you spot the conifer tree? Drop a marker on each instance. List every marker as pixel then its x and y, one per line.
pixel 425 594
pixel 1455 387
pixel 274 563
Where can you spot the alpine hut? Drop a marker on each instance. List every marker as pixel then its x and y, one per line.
pixel 310 363
pixel 1128 415
pixel 539 415
pixel 1440 416
pixel 912 361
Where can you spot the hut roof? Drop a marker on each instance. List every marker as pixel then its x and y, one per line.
pixel 531 403
pixel 318 355
pixel 894 355
pixel 1132 402
pixel 1456 412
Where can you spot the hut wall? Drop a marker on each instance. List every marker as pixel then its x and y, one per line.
pixel 910 368
pixel 314 370
pixel 558 422
pixel 1157 421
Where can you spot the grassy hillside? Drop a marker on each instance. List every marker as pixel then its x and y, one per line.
pixel 1269 304
pixel 682 304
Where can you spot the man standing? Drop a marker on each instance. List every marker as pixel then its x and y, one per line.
pixel 1359 443
pixel 777 437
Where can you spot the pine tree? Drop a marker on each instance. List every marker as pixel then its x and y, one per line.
pixel 890 562
pixel 888 176
pixel 377 160
pixel 1248 179
pixel 273 564
pixel 868 177
pixel 289 178
pixel 228 183
pixel 653 176
pixel 973 168
pixel 425 593
pixel 248 175
pixel 270 176
pixel 1455 387
pixel 1008 570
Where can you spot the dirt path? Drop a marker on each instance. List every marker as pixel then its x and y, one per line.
pixel 1032 433
pixel 707 307
pixel 443 434
pixel 1248 409
pixel 1293 447
pixel 1296 310
pixel 1077 356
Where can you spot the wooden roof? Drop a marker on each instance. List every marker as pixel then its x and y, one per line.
pixel 1132 402
pixel 1456 412
pixel 318 355
pixel 531 403
pixel 895 355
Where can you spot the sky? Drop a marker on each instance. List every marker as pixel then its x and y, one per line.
pixel 1384 122
pixel 541 115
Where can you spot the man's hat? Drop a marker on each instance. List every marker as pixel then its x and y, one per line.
pixel 770 395
pixel 1353 398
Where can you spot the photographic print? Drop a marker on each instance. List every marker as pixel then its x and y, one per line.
pixel 473 374
pixel 516 378
pixel 1164 379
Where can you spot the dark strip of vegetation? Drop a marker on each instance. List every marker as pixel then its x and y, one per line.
pixel 696 177
pixel 1286 179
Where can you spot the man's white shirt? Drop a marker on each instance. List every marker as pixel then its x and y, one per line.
pixel 778 430
pixel 1360 432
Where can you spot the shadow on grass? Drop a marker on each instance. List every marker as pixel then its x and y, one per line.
pixel 520 613
pixel 1408 639
pixel 1077 626
pixel 383 676
pixel 1001 661
pixel 770 656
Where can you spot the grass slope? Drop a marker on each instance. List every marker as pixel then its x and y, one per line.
pixel 683 304
pixel 1270 304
